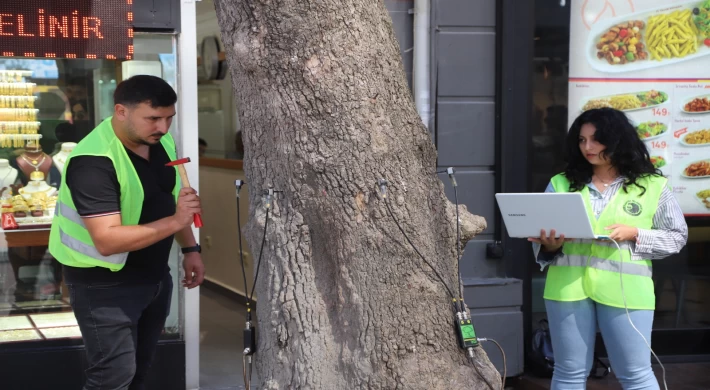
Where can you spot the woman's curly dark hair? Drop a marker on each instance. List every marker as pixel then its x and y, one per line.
pixel 627 152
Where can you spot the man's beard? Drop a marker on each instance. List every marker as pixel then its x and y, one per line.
pixel 148 141
pixel 133 135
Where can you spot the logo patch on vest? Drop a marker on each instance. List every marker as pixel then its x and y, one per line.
pixel 633 207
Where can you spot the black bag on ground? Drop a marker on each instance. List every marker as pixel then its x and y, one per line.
pixel 541 359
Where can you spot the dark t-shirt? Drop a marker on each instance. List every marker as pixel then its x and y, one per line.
pixel 95 191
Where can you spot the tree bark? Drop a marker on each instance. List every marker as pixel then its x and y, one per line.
pixel 325 110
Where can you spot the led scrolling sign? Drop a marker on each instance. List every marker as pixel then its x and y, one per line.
pixel 95 29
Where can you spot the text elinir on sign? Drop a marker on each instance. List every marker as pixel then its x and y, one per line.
pixel 97 29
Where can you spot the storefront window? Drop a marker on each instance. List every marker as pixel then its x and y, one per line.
pixel 575 70
pixel 46 107
pixel 220 136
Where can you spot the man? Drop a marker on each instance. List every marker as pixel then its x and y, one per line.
pixel 118 210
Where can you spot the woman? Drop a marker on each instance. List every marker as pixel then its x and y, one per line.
pixel 628 200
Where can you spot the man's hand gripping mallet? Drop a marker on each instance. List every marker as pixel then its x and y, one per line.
pixel 179 163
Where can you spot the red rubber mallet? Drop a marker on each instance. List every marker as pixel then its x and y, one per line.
pixel 179 163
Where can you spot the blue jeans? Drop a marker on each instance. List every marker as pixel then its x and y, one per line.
pixel 120 324
pixel 573 328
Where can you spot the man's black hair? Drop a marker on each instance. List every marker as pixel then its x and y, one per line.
pixel 202 142
pixel 145 89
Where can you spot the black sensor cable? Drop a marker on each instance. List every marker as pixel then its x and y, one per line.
pixel 383 192
pixel 250 331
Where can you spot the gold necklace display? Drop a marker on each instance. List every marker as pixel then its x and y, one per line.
pixel 18 114
pixel 17 89
pixel 17 140
pixel 14 76
pixel 35 163
pixel 17 101
pixel 19 127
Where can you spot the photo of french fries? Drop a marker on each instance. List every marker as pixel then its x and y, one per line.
pixel 700 137
pixel 672 35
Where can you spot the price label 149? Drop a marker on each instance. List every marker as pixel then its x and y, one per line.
pixel 660 112
pixel 659 145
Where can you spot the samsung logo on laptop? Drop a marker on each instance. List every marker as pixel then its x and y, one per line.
pixel 517 215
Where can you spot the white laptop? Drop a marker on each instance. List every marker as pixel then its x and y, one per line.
pixel 526 214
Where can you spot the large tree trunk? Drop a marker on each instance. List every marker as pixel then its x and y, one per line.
pixel 325 110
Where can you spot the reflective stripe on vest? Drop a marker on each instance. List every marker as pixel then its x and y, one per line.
pixel 85 249
pixel 627 268
pixel 604 256
pixel 68 213
pixel 88 250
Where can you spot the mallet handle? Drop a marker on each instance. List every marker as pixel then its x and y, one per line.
pixel 197 219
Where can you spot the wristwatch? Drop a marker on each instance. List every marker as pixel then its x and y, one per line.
pixel 197 248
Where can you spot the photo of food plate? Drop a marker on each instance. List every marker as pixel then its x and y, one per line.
pixel 696 138
pixel 647 39
pixel 704 197
pixel 627 101
pixel 651 130
pixel 697 170
pixel 658 161
pixel 696 105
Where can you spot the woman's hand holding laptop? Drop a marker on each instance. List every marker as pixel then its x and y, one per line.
pixel 621 232
pixel 550 243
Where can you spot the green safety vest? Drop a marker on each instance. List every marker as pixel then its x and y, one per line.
pixel 591 268
pixel 69 240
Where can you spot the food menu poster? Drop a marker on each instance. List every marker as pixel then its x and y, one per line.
pixel 651 60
